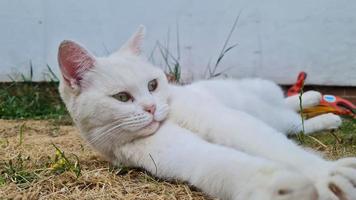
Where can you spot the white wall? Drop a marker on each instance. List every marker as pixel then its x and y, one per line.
pixel 277 38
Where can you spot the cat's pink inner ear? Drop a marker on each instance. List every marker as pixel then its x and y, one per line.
pixel 74 61
pixel 134 44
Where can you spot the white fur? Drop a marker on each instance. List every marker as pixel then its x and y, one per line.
pixel 309 99
pixel 226 137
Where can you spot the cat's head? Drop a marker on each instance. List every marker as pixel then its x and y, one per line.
pixel 114 99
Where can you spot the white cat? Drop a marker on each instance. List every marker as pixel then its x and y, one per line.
pixel 225 137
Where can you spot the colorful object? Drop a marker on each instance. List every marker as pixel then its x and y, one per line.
pixel 297 87
pixel 328 103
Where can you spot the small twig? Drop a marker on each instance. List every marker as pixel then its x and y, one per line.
pixel 301 135
pixel 189 193
pixel 22 127
pixel 317 141
pixel 339 141
pixel 225 49
pixel 178 43
pixel 153 163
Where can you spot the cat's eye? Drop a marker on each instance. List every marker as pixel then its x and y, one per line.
pixel 123 96
pixel 152 85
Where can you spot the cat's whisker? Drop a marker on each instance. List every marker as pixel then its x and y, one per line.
pixel 101 132
pixel 103 135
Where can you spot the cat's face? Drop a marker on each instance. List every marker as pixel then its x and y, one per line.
pixel 113 99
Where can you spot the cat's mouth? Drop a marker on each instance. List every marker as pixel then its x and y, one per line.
pixel 150 128
pixel 153 124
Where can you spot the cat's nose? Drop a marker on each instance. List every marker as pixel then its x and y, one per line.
pixel 150 108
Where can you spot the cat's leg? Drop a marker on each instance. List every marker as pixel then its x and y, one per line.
pixel 318 123
pixel 233 128
pixel 328 121
pixel 175 153
pixel 309 99
pixel 264 100
pixel 289 122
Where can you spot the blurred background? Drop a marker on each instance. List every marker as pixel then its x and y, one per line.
pixel 275 39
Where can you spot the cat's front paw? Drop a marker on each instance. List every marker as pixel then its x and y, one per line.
pixel 282 185
pixel 330 121
pixel 337 181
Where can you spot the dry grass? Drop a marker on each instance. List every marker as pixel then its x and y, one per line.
pixel 98 180
pixel 30 144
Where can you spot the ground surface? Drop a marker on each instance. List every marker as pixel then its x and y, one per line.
pixel 30 143
pixel 32 168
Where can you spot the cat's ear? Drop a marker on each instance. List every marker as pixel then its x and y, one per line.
pixel 134 44
pixel 74 61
